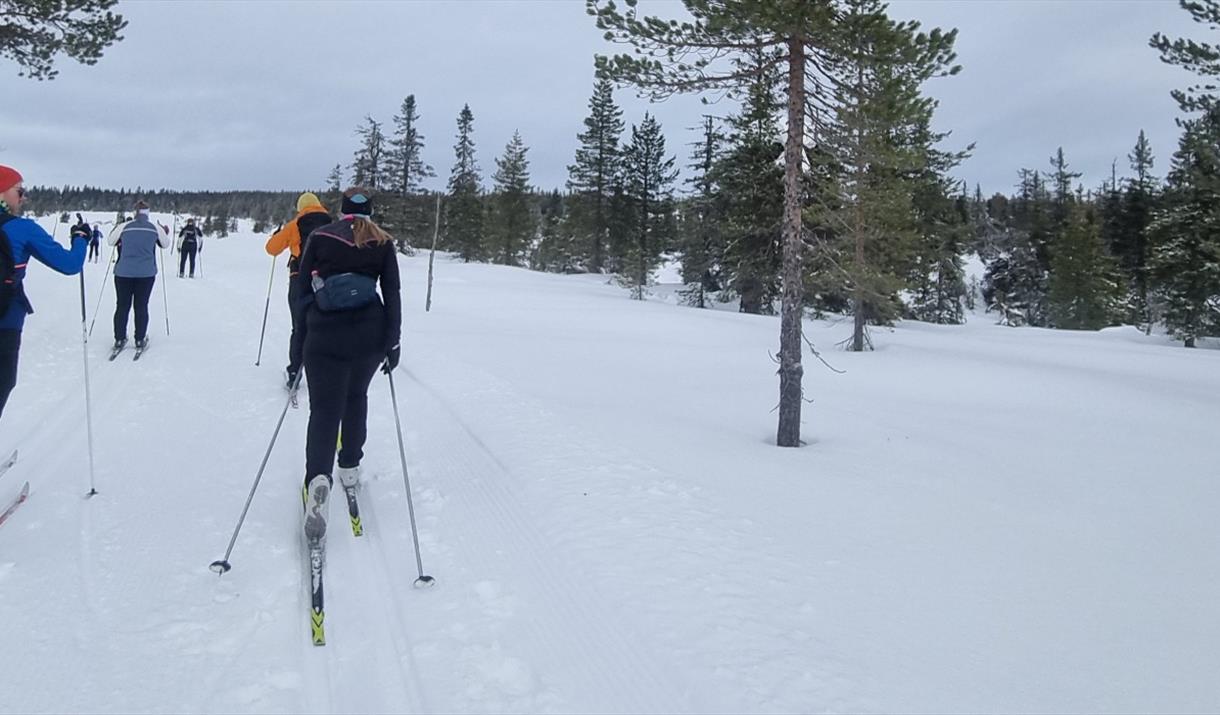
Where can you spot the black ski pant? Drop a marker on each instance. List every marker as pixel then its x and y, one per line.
pixel 182 256
pixel 296 341
pixel 340 362
pixel 10 345
pixel 93 250
pixel 131 291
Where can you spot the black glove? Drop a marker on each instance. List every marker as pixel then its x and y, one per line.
pixel 391 359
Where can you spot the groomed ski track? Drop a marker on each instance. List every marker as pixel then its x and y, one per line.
pixel 180 435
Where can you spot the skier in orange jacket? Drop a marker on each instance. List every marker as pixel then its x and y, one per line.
pixel 311 214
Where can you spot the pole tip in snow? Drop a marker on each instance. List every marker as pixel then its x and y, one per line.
pixel 425 582
pixel 92 493
pixel 220 567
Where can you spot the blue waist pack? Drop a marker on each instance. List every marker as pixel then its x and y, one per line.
pixel 344 291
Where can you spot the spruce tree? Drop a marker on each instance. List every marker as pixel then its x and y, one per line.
pixel 878 136
pixel 368 164
pixel 405 165
pixel 1061 182
pixel 701 249
pixel 593 174
pixel 648 177
pixel 334 181
pixel 1082 292
pixel 556 250
pixel 464 210
pixel 1132 246
pixel 1185 264
pixel 937 284
pixel 513 229
pixel 750 183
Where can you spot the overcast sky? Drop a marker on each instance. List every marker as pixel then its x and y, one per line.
pixel 266 95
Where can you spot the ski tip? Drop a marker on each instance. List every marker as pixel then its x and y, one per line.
pixel 425 582
pixel 221 567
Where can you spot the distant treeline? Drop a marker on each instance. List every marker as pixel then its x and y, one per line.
pixel 884 227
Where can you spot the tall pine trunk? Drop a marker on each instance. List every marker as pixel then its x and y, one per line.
pixel 788 433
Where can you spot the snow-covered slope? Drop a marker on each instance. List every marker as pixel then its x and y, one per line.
pixel 984 519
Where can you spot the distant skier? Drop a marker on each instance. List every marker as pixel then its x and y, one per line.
pixel 190 240
pixel 135 273
pixel 291 236
pixel 95 243
pixel 20 240
pixel 349 333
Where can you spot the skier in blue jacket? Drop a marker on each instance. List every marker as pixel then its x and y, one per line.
pixel 20 240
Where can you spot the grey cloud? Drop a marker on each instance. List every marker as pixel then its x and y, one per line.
pixel 266 95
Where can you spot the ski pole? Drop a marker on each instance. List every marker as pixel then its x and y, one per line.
pixel 164 296
pixel 221 566
pixel 423 581
pixel 101 290
pixel 266 307
pixel 84 334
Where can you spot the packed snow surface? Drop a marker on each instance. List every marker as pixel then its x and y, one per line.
pixel 984 519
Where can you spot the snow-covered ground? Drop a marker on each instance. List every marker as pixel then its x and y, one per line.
pixel 985 519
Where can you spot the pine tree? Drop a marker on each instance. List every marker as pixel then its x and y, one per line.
pixel 1202 58
pixel 648 178
pixel 34 33
pixel 1082 293
pixel 709 52
pixel 514 222
pixel 592 176
pixel 1185 264
pixel 464 210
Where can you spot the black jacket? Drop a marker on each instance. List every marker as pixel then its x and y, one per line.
pixel 331 250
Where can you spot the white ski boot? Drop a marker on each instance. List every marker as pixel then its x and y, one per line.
pixel 317 505
pixel 348 476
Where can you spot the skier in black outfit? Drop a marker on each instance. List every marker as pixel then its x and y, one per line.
pixel 190 240
pixel 349 332
pixel 95 244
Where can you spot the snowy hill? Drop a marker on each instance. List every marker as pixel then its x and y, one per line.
pixel 985 519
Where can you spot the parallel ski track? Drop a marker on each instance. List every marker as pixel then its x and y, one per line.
pixel 386 651
pixel 610 673
pixel 316 661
